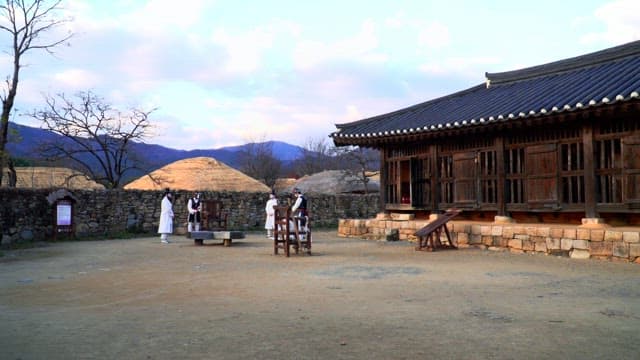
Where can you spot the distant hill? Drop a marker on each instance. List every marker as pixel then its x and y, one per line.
pixel 24 140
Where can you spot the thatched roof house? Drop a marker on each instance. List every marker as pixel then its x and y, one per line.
pixel 284 184
pixel 41 177
pixel 335 182
pixel 200 173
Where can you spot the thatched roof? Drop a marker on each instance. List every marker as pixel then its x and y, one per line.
pixel 200 173
pixel 334 182
pixel 41 177
pixel 284 184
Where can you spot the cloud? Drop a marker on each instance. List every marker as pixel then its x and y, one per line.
pixel 468 67
pixel 244 50
pixel 621 21
pixel 157 41
pixel 233 121
pixel 432 35
pixel 161 16
pixel 362 47
pixel 353 113
pixel 219 73
pixel 75 79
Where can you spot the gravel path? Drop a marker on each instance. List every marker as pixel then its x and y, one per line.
pixel 352 299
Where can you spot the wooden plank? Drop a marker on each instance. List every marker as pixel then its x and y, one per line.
pixel 217 235
pixel 435 224
pixel 226 236
pixel 465 178
pixel 429 236
pixel 542 175
pixel 631 171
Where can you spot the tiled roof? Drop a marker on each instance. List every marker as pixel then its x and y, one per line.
pixel 598 79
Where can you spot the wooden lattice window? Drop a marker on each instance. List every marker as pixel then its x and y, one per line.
pixel 420 181
pixel 608 168
pixel 631 171
pixel 572 172
pixel 515 177
pixel 445 174
pixel 488 171
pixel 617 162
pixel 391 180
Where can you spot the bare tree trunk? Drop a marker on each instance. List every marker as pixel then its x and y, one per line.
pixel 26 22
pixel 7 105
pixel 13 176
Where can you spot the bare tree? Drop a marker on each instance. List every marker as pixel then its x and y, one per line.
pixel 359 164
pixel 97 139
pixel 27 22
pixel 258 161
pixel 316 155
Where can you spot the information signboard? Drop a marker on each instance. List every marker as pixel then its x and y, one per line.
pixel 63 214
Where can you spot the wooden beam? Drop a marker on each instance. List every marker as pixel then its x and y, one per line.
pixel 501 185
pixel 589 172
pixel 383 180
pixel 435 179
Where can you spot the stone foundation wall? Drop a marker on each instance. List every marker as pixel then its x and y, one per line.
pixel 26 215
pixel 579 242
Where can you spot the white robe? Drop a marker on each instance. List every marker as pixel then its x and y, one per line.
pixel 166 217
pixel 270 221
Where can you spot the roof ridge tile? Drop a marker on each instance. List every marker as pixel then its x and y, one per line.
pixel 577 62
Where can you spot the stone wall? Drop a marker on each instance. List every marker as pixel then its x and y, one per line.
pixel 579 242
pixel 26 215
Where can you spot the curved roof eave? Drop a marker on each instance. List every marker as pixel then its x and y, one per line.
pixel 352 139
pixel 598 79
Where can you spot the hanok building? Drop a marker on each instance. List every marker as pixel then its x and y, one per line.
pixel 555 143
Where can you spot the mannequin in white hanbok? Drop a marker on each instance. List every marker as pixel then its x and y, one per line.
pixel 166 218
pixel 270 221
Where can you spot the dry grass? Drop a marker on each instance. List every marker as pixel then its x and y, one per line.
pixel 41 177
pixel 200 173
pixel 334 182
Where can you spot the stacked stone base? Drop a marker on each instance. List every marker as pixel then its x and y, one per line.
pixel 578 242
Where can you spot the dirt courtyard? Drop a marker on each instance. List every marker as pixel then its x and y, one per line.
pixel 352 299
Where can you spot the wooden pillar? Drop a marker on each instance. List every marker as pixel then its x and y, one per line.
pixel 435 178
pixel 501 181
pixel 383 181
pixel 589 172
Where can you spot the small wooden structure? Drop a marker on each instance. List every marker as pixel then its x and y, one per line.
pixel 214 216
pixel 226 236
pixel 429 237
pixel 214 224
pixel 291 231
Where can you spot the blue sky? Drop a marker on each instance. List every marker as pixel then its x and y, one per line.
pixel 225 72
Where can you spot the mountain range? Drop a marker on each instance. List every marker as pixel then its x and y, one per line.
pixel 24 140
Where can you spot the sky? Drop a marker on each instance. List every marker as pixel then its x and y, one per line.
pixel 228 72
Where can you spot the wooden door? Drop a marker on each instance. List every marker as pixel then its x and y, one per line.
pixel 420 182
pixel 631 171
pixel 466 182
pixel 391 182
pixel 541 164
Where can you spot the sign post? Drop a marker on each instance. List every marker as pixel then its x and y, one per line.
pixel 63 224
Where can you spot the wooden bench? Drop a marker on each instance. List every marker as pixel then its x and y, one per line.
pixel 226 236
pixel 429 236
